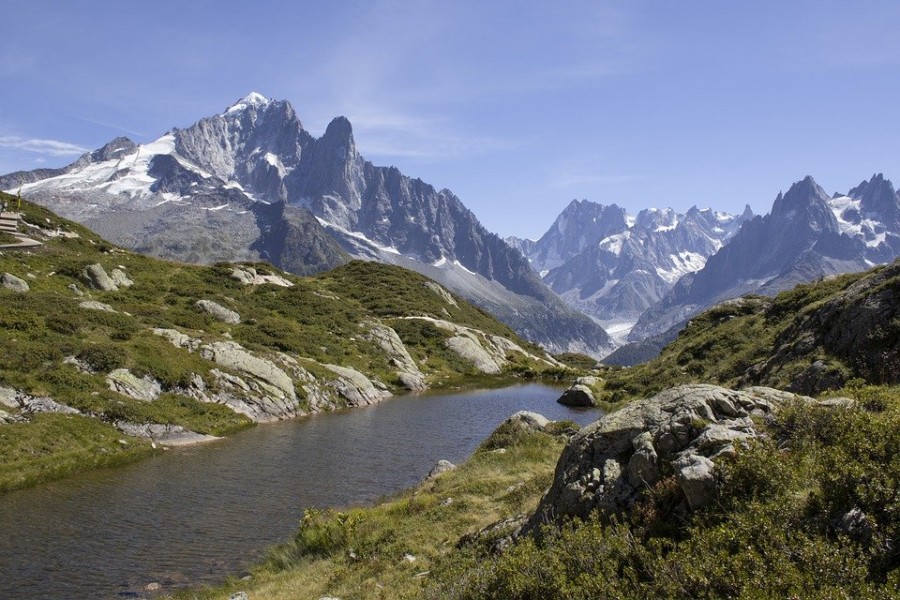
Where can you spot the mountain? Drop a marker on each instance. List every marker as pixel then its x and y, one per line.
pixel 807 235
pixel 613 266
pixel 183 196
pixel 809 339
pixel 252 183
pixel 691 492
pixel 98 342
pixel 581 224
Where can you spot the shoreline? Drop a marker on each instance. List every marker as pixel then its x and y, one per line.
pixel 138 448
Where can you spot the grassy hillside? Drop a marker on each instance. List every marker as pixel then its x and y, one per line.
pixel 52 346
pixel 389 551
pixel 816 337
pixel 810 509
pixel 810 512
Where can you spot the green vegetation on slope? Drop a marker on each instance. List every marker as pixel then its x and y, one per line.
pixel 809 510
pixel 50 346
pixel 387 551
pixel 7 238
pixel 812 512
pixel 790 342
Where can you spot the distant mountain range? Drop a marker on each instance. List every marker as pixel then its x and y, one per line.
pixel 644 276
pixel 614 266
pixel 807 235
pixel 252 183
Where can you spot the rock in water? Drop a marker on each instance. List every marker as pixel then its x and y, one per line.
pixel 578 395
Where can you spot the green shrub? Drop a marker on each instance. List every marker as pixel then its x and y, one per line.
pixel 102 357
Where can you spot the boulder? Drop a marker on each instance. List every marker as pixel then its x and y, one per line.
pixel 264 388
pixel 578 395
pixel 226 315
pixel 469 349
pixel 246 397
pixel 32 404
pixel 260 388
pixel 684 431
pixel 643 466
pixel 8 397
pixel 486 352
pixel 95 305
pixel 234 356
pixel 243 275
pixel 167 435
pixel 249 276
pixel 11 282
pixel 696 477
pixel 442 466
pixel 527 421
pixel 440 291
pixel 178 339
pixel 96 278
pixel 355 388
pixel 856 525
pixel 126 383
pixel 119 278
pixel 6 418
pixel 407 370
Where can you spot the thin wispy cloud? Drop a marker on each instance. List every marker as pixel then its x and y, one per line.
pixel 42 146
pixel 111 126
pixel 413 90
pixel 389 133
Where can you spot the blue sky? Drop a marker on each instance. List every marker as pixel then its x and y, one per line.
pixel 517 107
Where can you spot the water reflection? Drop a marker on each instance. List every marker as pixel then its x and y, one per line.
pixel 198 513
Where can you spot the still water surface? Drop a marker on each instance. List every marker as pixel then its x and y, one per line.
pixel 195 514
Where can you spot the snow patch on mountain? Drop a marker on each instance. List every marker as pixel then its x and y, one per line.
pixel 612 265
pixel 613 243
pixel 126 175
pixel 359 237
pixel 251 99
pixel 854 222
pixel 681 264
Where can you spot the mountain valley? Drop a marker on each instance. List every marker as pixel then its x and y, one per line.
pixel 100 342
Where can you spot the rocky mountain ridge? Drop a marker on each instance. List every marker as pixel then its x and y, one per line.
pixel 229 186
pixel 807 235
pixel 613 266
pixel 811 339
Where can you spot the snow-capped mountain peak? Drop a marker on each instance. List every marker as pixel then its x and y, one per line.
pixel 806 235
pixel 125 173
pixel 252 99
pixel 250 183
pixel 612 265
